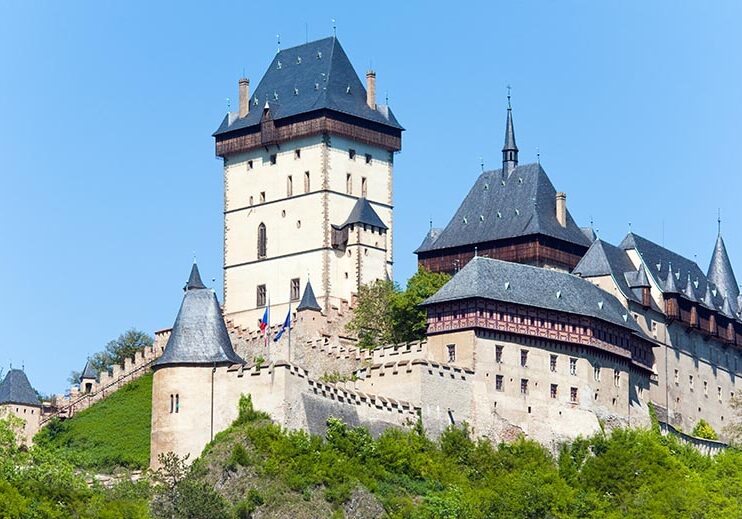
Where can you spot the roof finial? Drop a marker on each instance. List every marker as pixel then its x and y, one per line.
pixel 278 41
pixel 229 105
pixel 431 223
pixel 538 155
pixel 481 163
pixel 509 107
pixel 718 220
pixel 476 251
pixel 334 29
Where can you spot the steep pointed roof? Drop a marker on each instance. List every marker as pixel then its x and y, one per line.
pixel 708 298
pixel 689 291
pixel 308 301
pixel 429 239
pixel 604 259
pixel 671 287
pixel 194 280
pixel 363 213
pixel 16 389
pixel 501 207
pixel 639 279
pixel 88 372
pixel 720 273
pixel 509 132
pixel 726 309
pixel 315 76
pixel 199 336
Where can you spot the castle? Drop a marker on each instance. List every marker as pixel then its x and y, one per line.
pixel 544 330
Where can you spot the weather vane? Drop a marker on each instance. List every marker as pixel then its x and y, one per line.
pixel 508 97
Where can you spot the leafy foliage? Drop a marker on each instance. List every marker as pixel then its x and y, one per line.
pixel 114 432
pixel 124 346
pixel 703 429
pixel 385 314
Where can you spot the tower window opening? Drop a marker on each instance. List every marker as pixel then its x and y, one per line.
pixel 273 159
pixel 306 182
pixel 249 164
pixel 349 184
pixel 352 154
pixel 262 241
pixel 289 186
pixel 368 158
pixel 297 153
pixel 364 187
pixel 261 295
pixel 295 289
pixel 177 403
pixel 262 197
pixel 172 404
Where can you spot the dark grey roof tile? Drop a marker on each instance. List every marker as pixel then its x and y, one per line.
pixel 721 274
pixel 363 213
pixel 16 389
pixel 308 300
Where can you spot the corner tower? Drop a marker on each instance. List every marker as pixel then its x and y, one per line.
pixel 303 150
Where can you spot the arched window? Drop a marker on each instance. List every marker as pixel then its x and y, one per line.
pixel 262 241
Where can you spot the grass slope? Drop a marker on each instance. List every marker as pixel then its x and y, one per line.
pixel 114 432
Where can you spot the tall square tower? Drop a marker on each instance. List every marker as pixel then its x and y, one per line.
pixel 308 162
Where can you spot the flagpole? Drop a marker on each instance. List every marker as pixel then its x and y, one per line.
pixel 289 352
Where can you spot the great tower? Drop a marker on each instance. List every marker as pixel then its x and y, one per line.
pixel 308 163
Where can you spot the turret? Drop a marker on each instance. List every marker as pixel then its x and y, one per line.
pixel 510 149
pixel 720 273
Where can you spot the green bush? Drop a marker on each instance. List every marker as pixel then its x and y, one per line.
pixel 704 430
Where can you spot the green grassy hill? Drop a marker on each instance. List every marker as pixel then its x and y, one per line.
pixel 114 432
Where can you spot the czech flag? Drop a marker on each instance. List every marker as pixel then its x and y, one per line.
pixel 286 326
pixel 264 321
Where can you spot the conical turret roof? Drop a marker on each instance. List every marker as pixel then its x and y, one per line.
pixel 16 389
pixel 670 286
pixel 689 291
pixel 721 274
pixel 88 372
pixel 199 335
pixel 308 301
pixel 194 280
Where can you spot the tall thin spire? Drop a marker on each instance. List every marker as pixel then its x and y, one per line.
pixel 510 149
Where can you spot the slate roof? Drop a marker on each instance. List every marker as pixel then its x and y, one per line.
pixel 720 273
pixel 509 132
pixel 199 335
pixel 362 212
pixel 497 208
pixel 315 76
pixel 689 279
pixel 308 301
pixel 604 259
pixel 16 389
pixel 589 233
pixel 536 287
pixel 88 372
pixel 429 239
pixel 194 280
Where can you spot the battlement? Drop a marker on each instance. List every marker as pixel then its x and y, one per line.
pixel 388 368
pixel 343 394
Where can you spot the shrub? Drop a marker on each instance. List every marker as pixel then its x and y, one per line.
pixel 239 456
pixel 704 430
pixel 247 412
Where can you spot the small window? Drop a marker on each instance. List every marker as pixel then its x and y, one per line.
pixel 352 154
pixel 289 186
pixel 498 382
pixel 273 159
pixel 172 404
pixel 262 242
pixel 705 388
pixel 349 184
pixel 177 403
pixel 573 366
pixel 364 192
pixel 251 200
pixel 524 386
pixel 498 354
pixel 690 382
pixel 573 395
pixel 676 378
pixel 596 373
pixel 524 358
pixel 553 363
pixel 262 197
pixel 295 289
pixel 261 295
pixel 368 158
pixel 718 393
pixel 451 352
pixel 297 153
pixel 306 182
pixel 553 391
pixel 249 164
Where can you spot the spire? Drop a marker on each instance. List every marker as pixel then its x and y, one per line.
pixel 708 298
pixel 689 292
pixel 726 309
pixel 308 301
pixel 510 149
pixel 670 286
pixel 194 280
pixel 721 274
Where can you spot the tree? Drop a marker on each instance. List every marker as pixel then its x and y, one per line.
pixel 372 316
pixel 409 319
pixel 126 345
pixel 704 430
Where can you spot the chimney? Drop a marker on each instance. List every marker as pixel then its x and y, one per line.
pixel 371 89
pixel 244 96
pixel 561 209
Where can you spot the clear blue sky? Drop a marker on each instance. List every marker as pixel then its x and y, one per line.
pixel 110 183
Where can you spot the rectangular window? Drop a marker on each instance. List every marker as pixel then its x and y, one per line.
pixel 554 388
pixel 352 154
pixel 676 378
pixel 690 382
pixel 349 184
pixel 596 373
pixel 172 404
pixel 307 186
pixel 249 164
pixel 295 289
pixel 524 386
pixel 273 159
pixel 553 363
pixel 289 186
pixel 451 352
pixel 297 153
pixel 261 295
pixel 573 395
pixel 498 354
pixel 718 393
pixel 368 158
pixel 364 191
pixel 177 403
pixel 705 388
pixel 573 366
pixel 498 382
pixel 262 197
pixel 616 378
pixel 524 358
